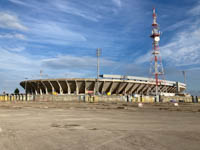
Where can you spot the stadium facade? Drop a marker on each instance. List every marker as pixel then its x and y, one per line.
pixel 106 85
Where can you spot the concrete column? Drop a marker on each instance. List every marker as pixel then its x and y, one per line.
pixel 68 87
pixel 153 88
pixel 165 88
pixel 85 84
pixel 161 88
pixel 31 88
pixel 169 89
pixel 95 87
pixel 148 89
pixel 142 89
pixel 177 87
pixel 35 88
pixel 121 87
pixel 60 87
pixel 135 86
pixel 46 90
pixel 53 90
pixel 117 87
pixel 111 86
pixel 41 91
pixel 128 87
pixel 77 89
pixel 139 88
pixel 102 90
pixel 173 90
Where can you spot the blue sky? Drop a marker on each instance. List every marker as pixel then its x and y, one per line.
pixel 60 37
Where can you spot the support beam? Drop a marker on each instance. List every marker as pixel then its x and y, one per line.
pixel 144 89
pixel 173 90
pixel 153 89
pixel 133 90
pixel 124 88
pixel 31 87
pixel 53 90
pixel 60 87
pixel 115 88
pixel 135 86
pixel 139 88
pixel 169 89
pixel 77 89
pixel 121 87
pixel 95 87
pixel 85 84
pixel 68 87
pixel 35 88
pixel 128 88
pixel 111 86
pixel 162 88
pixel 150 86
pixel 102 90
pixel 40 90
pixel 46 90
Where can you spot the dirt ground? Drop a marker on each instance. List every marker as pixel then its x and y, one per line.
pixel 86 126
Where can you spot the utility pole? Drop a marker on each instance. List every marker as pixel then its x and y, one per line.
pixel 98 54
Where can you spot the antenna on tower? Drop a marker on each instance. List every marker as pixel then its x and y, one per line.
pixel 156 67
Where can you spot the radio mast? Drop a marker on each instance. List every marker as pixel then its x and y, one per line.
pixel 156 67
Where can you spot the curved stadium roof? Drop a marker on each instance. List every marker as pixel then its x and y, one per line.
pixel 109 83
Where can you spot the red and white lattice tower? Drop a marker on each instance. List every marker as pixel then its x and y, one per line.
pixel 156 67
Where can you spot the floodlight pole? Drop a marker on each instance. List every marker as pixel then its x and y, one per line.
pixel 26 87
pixel 98 54
pixel 184 75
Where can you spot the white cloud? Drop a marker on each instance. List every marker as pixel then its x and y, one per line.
pixel 67 7
pixel 196 10
pixel 61 5
pixel 75 62
pixel 18 2
pixel 117 2
pixel 10 21
pixel 13 36
pixel 14 61
pixel 55 33
pixel 16 49
pixel 183 49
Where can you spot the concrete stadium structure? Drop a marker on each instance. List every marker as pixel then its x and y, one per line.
pixel 112 84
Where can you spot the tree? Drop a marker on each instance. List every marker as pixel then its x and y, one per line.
pixel 16 91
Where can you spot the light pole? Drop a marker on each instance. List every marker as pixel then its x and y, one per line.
pixel 26 87
pixel 184 75
pixel 98 54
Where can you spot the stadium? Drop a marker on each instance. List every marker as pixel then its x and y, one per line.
pixel 106 85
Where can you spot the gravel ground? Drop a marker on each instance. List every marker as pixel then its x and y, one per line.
pixel 86 126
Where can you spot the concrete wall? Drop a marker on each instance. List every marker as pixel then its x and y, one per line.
pixel 16 97
pixel 102 98
pixel 177 98
pixel 57 98
pixel 111 98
